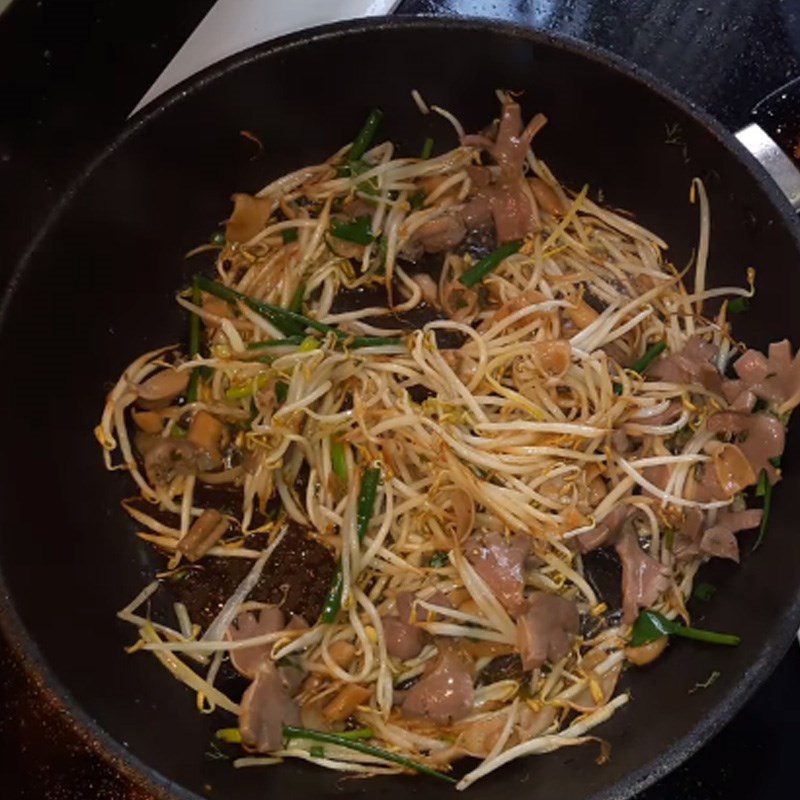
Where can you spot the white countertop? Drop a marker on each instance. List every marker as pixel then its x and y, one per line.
pixel 234 25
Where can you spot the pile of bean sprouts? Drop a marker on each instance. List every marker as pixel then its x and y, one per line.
pixel 510 438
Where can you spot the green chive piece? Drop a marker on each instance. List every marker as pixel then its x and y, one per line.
pixel 439 559
pixel 427 149
pixel 704 591
pixel 317 751
pixel 383 246
pixel 333 600
pixel 289 235
pixel 366 503
pixel 372 341
pixel 290 341
pixel 417 200
pixel 356 168
pixel 738 305
pixel 339 460
pixel 296 304
pixel 354 343
pixel 763 484
pixel 366 500
pixel 281 391
pixel 247 389
pixel 710 637
pixel 358 232
pixel 651 354
pixel 358 733
pixel 486 265
pixel 291 732
pixel 290 322
pixel 218 238
pixel 287 322
pixel 617 388
pixel 650 625
pixel 247 424
pixel 365 136
pixel 369 187
pixel 644 362
pixel 176 432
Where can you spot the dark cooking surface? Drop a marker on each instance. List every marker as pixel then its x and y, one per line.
pixel 723 54
pixel 754 757
pixel 68 74
pixel 303 570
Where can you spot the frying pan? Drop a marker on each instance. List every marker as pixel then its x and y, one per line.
pixel 96 288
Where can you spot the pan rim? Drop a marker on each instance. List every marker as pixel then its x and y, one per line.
pixel 11 625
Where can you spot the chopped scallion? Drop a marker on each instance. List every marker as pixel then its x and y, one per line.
pixel 339 460
pixel 486 265
pixel 763 484
pixel 417 200
pixel 299 295
pixel 366 503
pixel 285 321
pixel 651 354
pixel 357 733
pixel 290 341
pixel 290 322
pixel 358 232
pixel 650 625
pixel 247 389
pixel 365 136
pixel 704 591
pixel 291 732
pixel 738 305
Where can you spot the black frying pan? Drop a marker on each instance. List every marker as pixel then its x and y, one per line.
pixel 96 288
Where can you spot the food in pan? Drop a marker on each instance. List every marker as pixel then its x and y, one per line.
pixel 418 393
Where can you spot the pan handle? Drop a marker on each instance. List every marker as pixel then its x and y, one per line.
pixel 777 164
pixel 774 134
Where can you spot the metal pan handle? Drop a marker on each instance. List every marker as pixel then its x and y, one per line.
pixel 780 167
pixel 775 131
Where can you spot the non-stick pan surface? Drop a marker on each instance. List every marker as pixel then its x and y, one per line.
pixel 96 289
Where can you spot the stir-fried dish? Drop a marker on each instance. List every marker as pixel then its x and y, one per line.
pixel 417 392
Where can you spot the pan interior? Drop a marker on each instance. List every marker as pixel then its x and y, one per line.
pixel 98 290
